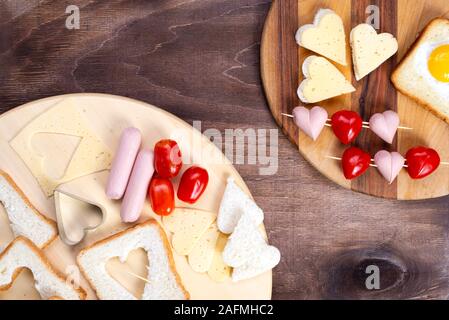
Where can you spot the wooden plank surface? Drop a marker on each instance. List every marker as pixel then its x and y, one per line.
pixel 374 93
pixel 199 59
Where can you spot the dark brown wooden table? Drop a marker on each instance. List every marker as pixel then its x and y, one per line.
pixel 199 59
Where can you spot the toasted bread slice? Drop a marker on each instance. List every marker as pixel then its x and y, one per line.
pixel 22 253
pixel 24 218
pixel 412 76
pixel 163 283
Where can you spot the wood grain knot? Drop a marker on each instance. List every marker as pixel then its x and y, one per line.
pixel 399 276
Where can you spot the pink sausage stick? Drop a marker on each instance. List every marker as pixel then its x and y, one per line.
pixel 122 165
pixel 136 192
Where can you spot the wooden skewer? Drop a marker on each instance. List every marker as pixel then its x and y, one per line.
pixel 373 165
pixel 137 276
pixel 365 123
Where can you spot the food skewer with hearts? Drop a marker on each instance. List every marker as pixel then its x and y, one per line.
pixel 345 124
pixel 420 162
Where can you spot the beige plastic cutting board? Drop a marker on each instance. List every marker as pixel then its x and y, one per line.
pixel 108 115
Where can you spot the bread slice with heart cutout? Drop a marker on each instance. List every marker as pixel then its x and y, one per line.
pixel 326 36
pixel 164 282
pixel 322 81
pixel 369 49
pixel 24 218
pixel 22 253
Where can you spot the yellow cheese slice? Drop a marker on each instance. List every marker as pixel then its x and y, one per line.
pixel 369 49
pixel 218 270
pixel 326 36
pixel 322 81
pixel 65 118
pixel 187 226
pixel 201 256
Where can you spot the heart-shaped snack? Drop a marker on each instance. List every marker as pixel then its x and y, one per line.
pixel 369 49
pixel 326 36
pixel 82 206
pixel 346 125
pixel 322 81
pixel 248 252
pixel 354 162
pixel 312 121
pixel 389 164
pixel 76 216
pixel 385 125
pixel 187 226
pixel 421 162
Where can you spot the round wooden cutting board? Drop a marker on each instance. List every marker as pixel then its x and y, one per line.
pixel 107 116
pixel 281 61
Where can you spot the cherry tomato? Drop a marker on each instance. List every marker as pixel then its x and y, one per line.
pixel 167 158
pixel 193 183
pixel 162 196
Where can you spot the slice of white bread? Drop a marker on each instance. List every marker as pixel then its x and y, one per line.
pixel 22 253
pixel 412 77
pixel 322 81
pixel 326 36
pixel 164 282
pixel 25 219
pixel 248 252
pixel 369 49
pixel 233 204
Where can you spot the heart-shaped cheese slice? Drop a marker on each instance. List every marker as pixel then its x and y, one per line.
pixel 323 81
pixel 187 226
pixel 218 270
pixel 369 49
pixel 325 36
pixel 201 256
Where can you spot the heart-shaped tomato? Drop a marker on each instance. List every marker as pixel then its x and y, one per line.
pixel 355 162
pixel 346 125
pixel 421 162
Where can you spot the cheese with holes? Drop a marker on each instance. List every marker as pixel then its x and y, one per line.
pixel 64 119
pixel 187 226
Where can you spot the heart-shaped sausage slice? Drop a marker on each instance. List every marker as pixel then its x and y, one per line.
pixel 346 125
pixel 421 162
pixel 312 121
pixel 355 162
pixel 385 125
pixel 389 164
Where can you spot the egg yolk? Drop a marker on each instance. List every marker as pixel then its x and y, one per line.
pixel 439 63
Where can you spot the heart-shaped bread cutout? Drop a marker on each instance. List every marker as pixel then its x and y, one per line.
pixel 326 36
pixel 130 272
pixel 56 151
pixel 355 162
pixel 346 125
pixel 385 125
pixel 76 216
pixel 187 226
pixel 421 162
pixel 248 252
pixel 312 121
pixel 369 49
pixel 389 164
pixel 322 81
